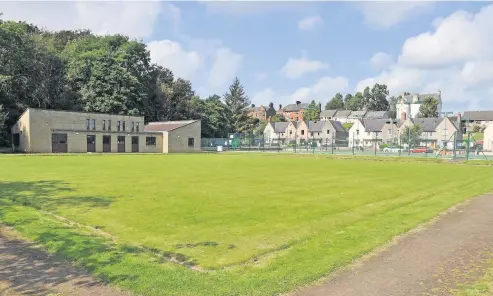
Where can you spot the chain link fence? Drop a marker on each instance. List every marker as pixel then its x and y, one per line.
pixel 370 144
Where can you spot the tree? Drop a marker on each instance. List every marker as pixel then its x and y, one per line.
pixel 335 103
pixel 278 118
pixel 411 135
pixel 312 112
pixel 236 105
pixel 376 98
pixel 3 119
pixel 214 120
pixel 357 102
pixel 393 106
pixel 347 98
pixel 429 107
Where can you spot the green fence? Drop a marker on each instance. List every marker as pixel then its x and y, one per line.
pixel 374 144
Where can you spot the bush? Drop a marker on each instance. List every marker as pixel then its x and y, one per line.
pixel 476 129
pixel 383 146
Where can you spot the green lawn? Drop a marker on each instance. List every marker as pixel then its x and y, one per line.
pixel 252 224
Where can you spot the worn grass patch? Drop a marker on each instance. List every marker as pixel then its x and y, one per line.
pixel 222 224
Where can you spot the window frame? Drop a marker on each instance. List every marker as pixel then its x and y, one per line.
pixel 150 141
pixel 192 144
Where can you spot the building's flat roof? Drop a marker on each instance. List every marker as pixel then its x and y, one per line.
pixel 165 126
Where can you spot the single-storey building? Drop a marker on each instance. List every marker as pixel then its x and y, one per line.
pixel 51 131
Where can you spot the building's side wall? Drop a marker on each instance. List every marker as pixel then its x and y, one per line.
pixel 488 138
pixel 22 127
pixel 269 133
pixel 178 138
pixel 302 132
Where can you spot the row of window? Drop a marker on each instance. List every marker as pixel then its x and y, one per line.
pixel 120 125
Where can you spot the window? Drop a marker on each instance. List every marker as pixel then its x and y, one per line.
pixel 311 134
pixel 109 125
pixel 121 140
pixel 135 140
pixel 390 132
pixel 87 124
pixel 328 132
pixel 290 132
pixel 133 126
pixel 91 139
pixel 94 124
pixel 191 142
pixel 445 132
pixel 118 125
pixel 430 134
pixel 318 134
pixel 137 127
pixel 302 132
pixel 104 125
pixel 123 125
pixel 150 141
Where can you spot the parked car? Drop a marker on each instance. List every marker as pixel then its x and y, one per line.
pixel 421 149
pixel 392 149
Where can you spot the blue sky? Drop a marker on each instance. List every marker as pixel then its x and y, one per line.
pixel 284 51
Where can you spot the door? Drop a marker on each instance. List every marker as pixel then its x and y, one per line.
pixel 121 143
pixel 106 143
pixel 59 143
pixel 135 143
pixel 91 143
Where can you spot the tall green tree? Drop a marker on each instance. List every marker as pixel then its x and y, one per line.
pixel 376 98
pixel 357 102
pixel 278 118
pixel 347 98
pixel 214 120
pixel 312 112
pixel 336 103
pixel 411 135
pixel 237 102
pixel 393 106
pixel 429 107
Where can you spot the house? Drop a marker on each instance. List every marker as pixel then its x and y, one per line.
pixel 408 106
pixel 327 114
pixel 50 131
pixel 488 137
pixel 438 132
pixel 262 113
pixel 355 115
pixel 342 116
pixel 372 132
pixel 326 132
pixel 482 118
pixel 294 112
pixel 275 132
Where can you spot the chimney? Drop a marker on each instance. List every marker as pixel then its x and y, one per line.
pixel 403 116
pixel 298 103
pixel 280 106
pixel 253 105
pixel 319 106
pixel 459 117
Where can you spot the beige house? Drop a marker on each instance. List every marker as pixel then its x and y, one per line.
pixel 50 131
pixel 488 138
pixel 368 132
pixel 438 132
pixel 275 132
pixel 327 132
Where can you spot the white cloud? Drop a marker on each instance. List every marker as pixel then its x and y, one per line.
pixel 135 19
pixel 264 97
pixel 295 68
pixel 239 8
pixel 261 76
pixel 381 60
pixel 224 69
pixel 386 14
pixel 456 57
pixel 325 88
pixel 171 55
pixel 310 23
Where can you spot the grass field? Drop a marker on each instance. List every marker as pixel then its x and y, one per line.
pixel 249 224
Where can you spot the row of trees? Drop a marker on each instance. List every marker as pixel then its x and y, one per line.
pixel 79 71
pixel 377 98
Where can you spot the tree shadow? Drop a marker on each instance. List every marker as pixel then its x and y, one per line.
pixel 49 195
pixel 33 271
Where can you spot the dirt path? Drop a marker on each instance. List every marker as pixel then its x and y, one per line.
pixel 27 270
pixel 453 250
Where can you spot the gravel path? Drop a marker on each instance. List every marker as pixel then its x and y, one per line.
pixel 27 270
pixel 452 250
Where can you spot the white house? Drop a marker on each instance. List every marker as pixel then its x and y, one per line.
pixel 408 105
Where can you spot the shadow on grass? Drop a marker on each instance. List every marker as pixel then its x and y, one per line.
pixel 48 195
pixel 31 271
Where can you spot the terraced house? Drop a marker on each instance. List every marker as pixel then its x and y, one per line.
pixel 262 113
pixel 50 131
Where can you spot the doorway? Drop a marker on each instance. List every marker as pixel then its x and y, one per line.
pixel 121 143
pixel 59 143
pixel 91 143
pixel 135 143
pixel 106 143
